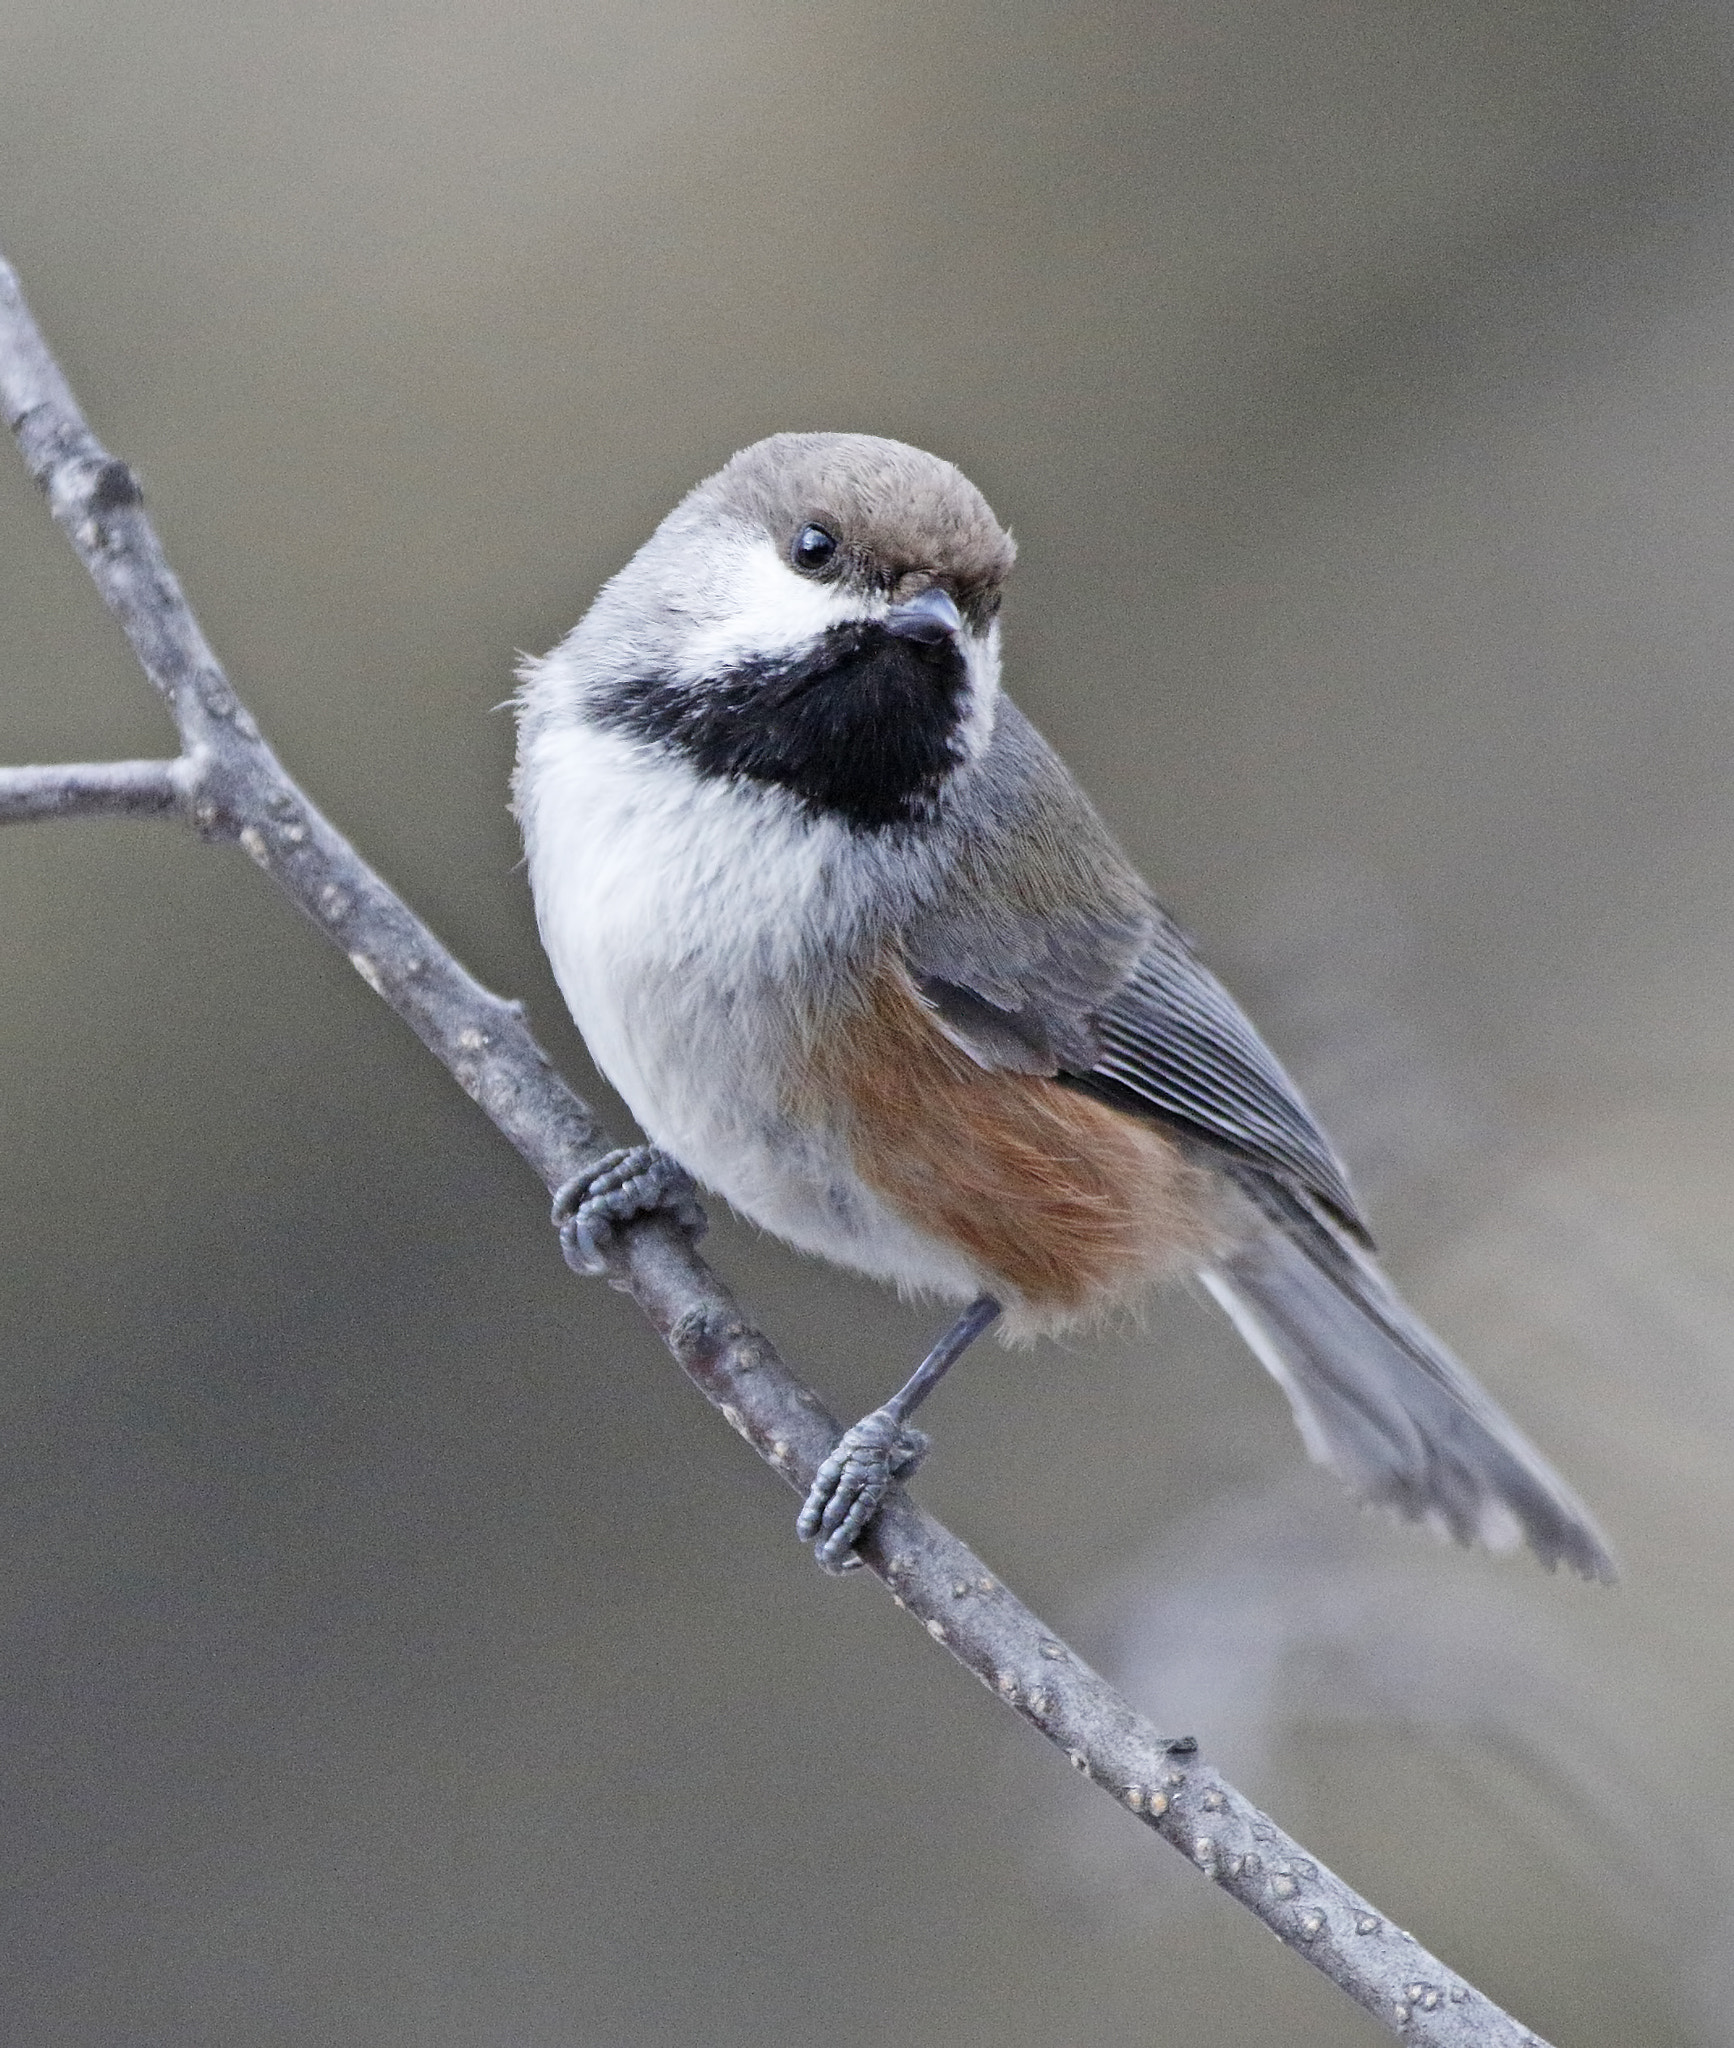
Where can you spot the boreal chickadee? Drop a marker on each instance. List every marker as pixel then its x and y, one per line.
pixel 859 954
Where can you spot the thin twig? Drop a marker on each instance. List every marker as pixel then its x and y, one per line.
pixel 231 786
pixel 92 789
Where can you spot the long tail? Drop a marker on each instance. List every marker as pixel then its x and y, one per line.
pixel 1381 1401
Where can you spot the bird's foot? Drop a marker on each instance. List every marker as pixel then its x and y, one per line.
pixel 634 1181
pixel 853 1480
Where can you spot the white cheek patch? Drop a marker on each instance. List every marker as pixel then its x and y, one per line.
pixel 981 703
pixel 754 604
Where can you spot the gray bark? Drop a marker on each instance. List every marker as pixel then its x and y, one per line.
pixel 92 789
pixel 230 786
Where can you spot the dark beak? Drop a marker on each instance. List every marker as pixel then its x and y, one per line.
pixel 929 618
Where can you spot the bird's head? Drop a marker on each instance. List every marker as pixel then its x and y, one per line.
pixel 820 616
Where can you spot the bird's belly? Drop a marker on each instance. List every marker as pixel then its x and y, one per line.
pixel 698 950
pixel 710 1075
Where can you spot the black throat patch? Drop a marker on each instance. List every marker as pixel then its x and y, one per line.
pixel 862 725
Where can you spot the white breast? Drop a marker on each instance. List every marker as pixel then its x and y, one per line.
pixel 696 928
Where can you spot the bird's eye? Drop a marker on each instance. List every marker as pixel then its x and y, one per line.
pixel 813 548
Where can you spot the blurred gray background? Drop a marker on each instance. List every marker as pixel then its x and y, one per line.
pixel 393 1648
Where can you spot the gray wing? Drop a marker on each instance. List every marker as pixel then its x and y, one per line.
pixel 1173 1040
pixel 1044 952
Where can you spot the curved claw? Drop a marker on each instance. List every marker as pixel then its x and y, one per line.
pixel 849 1486
pixel 632 1181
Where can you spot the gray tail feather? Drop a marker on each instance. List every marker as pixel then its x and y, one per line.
pixel 1381 1401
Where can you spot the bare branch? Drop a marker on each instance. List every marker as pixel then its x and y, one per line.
pixel 235 788
pixel 93 789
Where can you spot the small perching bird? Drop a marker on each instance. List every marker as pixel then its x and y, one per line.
pixel 861 956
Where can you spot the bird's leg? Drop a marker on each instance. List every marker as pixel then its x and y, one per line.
pixel 849 1486
pixel 633 1181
